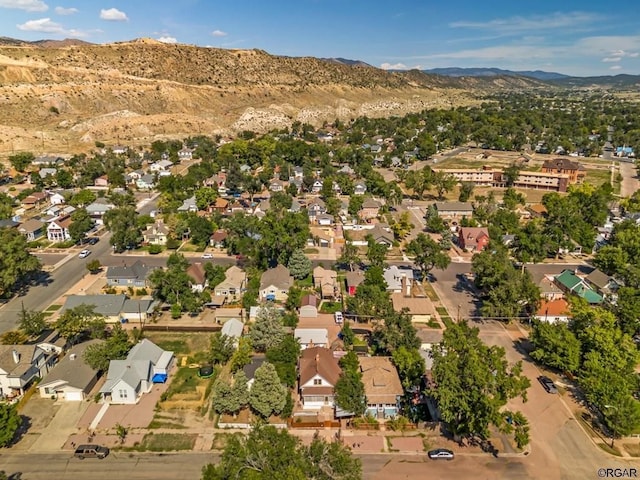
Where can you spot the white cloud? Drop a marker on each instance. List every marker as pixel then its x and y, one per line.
pixel 611 59
pixel 219 33
pixel 168 39
pixel 534 23
pixel 113 15
pixel 45 25
pixel 393 66
pixel 28 5
pixel 65 11
pixel 615 67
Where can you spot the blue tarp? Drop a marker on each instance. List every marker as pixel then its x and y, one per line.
pixel 159 378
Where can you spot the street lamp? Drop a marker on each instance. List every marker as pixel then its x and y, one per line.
pixel 613 429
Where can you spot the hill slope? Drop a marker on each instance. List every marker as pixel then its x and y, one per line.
pixel 71 95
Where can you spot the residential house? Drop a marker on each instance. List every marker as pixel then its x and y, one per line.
pixel 381 235
pixel 71 379
pixel 325 220
pixel 97 209
pixel 218 239
pixel 102 182
pixel 318 373
pixel 315 208
pixel 136 275
pixel 20 366
pixel 35 199
pixel 352 280
pixel 370 209
pixel 298 172
pixel 161 166
pixel 32 229
pixel 309 306
pixel 133 177
pixel 553 311
pixel 312 337
pixel 360 188
pixel 56 199
pixel 139 311
pixel 326 282
pixel 454 210
pixel 127 380
pixel 473 239
pixel 537 210
pixel 549 291
pixel 47 160
pixel 604 284
pixel 233 329
pixel 275 284
pixel 189 205
pixel 570 283
pixel 119 149
pixel 420 309
pixel 156 233
pixel 250 369
pixel 58 229
pixel 316 187
pixel 398 279
pixel 185 153
pixel 321 237
pixel 221 205
pixel 48 172
pixel 574 170
pixel 146 182
pixel 429 339
pixel 108 305
pixel 277 185
pixel 198 276
pixel 382 387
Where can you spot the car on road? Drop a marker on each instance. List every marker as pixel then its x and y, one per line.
pixel 548 384
pixel 440 454
pixel 91 451
pixel 207 255
pixel 84 253
pixel 93 240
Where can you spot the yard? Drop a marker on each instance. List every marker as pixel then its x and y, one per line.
pixel 167 442
pixel 330 307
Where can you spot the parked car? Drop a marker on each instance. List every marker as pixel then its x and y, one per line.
pixel 548 384
pixel 84 253
pixel 207 255
pixel 93 240
pixel 339 318
pixel 91 451
pixel 440 454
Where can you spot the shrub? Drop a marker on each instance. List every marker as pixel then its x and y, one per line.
pixel 155 249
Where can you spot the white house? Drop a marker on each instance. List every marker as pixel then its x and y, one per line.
pixel 58 230
pixel 20 365
pixel 129 379
pixel 161 166
pixel 318 373
pixel 56 199
pixel 312 337
pixel 71 379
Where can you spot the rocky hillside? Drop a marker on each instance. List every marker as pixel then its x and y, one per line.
pixel 65 96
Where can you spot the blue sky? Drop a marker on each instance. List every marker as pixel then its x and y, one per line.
pixel 571 37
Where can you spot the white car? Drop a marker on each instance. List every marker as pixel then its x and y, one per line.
pixel 339 318
pixel 441 453
pixel 207 255
pixel 84 254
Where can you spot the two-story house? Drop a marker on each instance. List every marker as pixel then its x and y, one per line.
pixel 382 387
pixel 370 209
pixel 20 365
pixel 318 373
pixel 58 229
pixel 275 284
pixel 233 285
pixel 473 239
pixel 156 233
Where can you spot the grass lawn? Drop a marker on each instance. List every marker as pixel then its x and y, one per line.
pixel 167 442
pixel 190 247
pixel 305 282
pixel 330 307
pixel 185 381
pixel 431 293
pixel 313 251
pixel 433 324
pixel 53 308
pixel 220 440
pixel 180 343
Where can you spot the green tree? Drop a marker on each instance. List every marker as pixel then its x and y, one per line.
pixel 215 274
pixel 349 255
pixel 82 198
pixel 349 393
pixel 64 178
pixel 410 365
pixel 299 265
pixel 268 330
pixel 81 223
pixel 173 285
pixel 510 174
pixel 76 321
pixel 434 222
pixel 242 355
pixel 6 206
pixel 284 357
pixel 627 310
pixel 376 252
pixel 355 205
pixel 205 197
pixel 268 395
pixel 611 259
pixel 201 230
pixel 123 225
pixel 20 161
pixel 348 337
pixel 221 348
pixel 397 331
pixel 115 347
pixel 466 190
pixel 443 182
pixel 32 323
pixel 427 254
pixel 268 453
pixel 94 265
pixel 16 263
pixel 474 381
pixel 555 346
pixel 13 337
pixel 9 423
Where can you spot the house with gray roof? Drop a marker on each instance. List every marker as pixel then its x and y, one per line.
pixel 107 305
pixel 46 172
pixel 135 275
pixel 189 205
pixel 97 209
pixel 20 365
pixel 233 328
pixel 454 209
pixel 71 379
pixel 32 229
pixel 129 379
pixel 146 182
pixel 275 284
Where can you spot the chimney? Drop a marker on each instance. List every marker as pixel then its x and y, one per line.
pixel 16 356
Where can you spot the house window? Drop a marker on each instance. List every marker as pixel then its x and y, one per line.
pixel 123 394
pixel 317 381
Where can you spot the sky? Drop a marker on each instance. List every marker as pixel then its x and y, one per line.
pixel 575 38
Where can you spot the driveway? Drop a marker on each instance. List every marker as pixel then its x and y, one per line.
pixel 64 423
pixel 630 182
pixel 455 294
